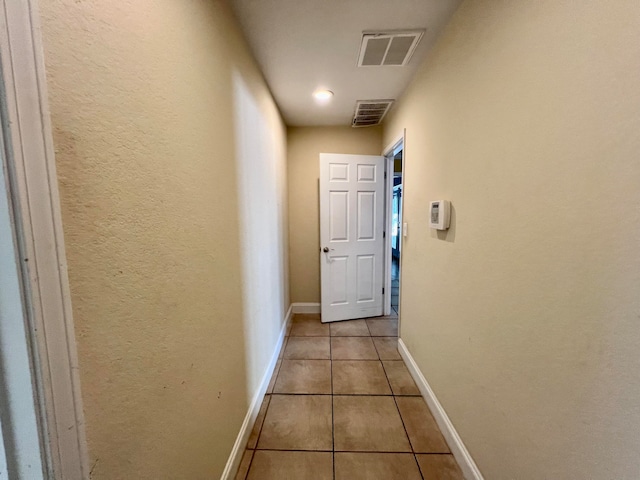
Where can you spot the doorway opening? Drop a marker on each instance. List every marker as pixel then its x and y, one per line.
pixel 396 231
pixel 394 155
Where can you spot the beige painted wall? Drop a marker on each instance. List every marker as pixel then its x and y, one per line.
pixel 525 316
pixel 171 156
pixel 304 145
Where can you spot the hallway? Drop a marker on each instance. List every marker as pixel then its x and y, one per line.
pixel 162 220
pixel 342 405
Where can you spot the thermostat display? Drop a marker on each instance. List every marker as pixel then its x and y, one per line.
pixel 439 214
pixel 435 213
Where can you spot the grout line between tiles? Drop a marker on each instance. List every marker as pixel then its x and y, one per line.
pixel 293 450
pixel 435 453
pixel 263 419
pixel 405 452
pixel 333 430
pixel 402 420
pixel 403 425
pixel 310 336
pixel 253 454
pixel 415 458
pixel 276 374
pixel 371 395
pixel 344 336
pixel 346 359
pixel 367 324
pixel 385 452
pixel 377 351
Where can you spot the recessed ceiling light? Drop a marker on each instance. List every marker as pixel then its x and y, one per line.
pixel 323 95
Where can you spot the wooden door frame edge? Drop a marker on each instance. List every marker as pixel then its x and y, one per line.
pixel 34 193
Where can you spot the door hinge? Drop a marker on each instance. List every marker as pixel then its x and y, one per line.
pixel 385 174
pixel 384 234
pixel 383 290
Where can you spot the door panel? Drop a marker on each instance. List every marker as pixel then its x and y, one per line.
pixel 366 173
pixel 339 172
pixel 338 274
pixel 366 215
pixel 351 227
pixel 366 278
pixel 339 216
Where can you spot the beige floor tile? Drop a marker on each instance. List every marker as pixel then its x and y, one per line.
pixel 376 466
pixel 353 348
pixel 304 376
pixel 439 467
pixel 271 465
pixel 350 328
pixel 387 348
pixel 307 348
pixel 383 327
pixel 400 378
pixel 359 377
pixel 302 317
pixel 309 327
pixel 272 382
pixel 369 424
pixel 243 469
pixel 255 432
pixel 423 430
pixel 297 422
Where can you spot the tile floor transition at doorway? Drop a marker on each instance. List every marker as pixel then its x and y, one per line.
pixel 342 405
pixel 395 285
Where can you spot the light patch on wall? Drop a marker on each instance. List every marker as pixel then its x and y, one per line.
pixel 261 226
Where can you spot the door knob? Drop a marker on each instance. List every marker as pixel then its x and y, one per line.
pixel 325 249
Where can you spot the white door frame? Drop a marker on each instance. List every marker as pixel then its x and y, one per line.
pixel 30 165
pixel 388 153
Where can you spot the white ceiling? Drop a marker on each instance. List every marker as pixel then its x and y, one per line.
pixel 305 45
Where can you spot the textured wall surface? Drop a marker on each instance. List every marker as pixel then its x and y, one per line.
pixel 303 159
pixel 525 316
pixel 170 154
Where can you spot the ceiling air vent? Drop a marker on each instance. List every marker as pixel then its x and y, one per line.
pixel 370 112
pixel 388 48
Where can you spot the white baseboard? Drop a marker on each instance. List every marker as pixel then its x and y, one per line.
pixel 459 451
pixel 287 319
pixel 305 307
pixel 237 451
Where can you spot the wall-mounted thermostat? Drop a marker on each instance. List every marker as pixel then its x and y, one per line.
pixel 439 213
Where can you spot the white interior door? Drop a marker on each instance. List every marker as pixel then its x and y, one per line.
pixel 351 235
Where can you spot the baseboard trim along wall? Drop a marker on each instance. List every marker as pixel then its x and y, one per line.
pixel 460 452
pixel 237 451
pixel 305 307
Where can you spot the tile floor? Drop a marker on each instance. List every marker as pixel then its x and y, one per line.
pixel 342 405
pixel 395 285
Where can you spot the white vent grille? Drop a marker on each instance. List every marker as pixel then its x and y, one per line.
pixel 370 112
pixel 388 48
